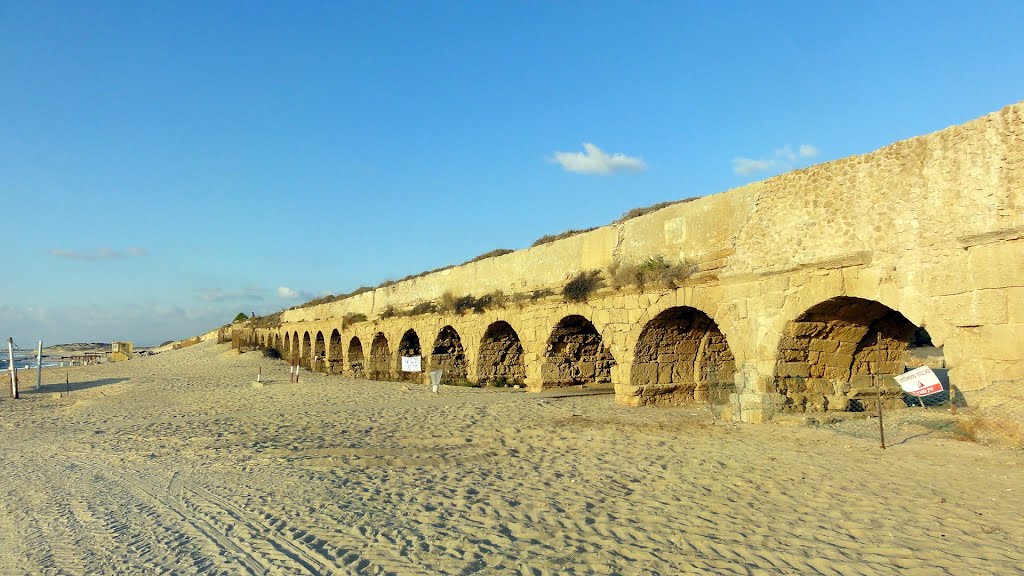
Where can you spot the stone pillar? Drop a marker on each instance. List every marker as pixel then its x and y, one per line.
pixel 534 363
pixel 755 400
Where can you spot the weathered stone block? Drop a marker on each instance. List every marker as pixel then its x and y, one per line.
pixel 819 345
pixel 834 373
pixel 645 373
pixel 815 403
pixel 804 329
pixel 820 386
pixel 836 360
pixel 787 369
pixel 838 403
pixel 975 308
pixel 588 370
pixel 997 265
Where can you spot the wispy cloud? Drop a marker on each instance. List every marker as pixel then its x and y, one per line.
pixel 98 254
pixel 781 159
pixel 593 160
pixel 250 294
pixel 286 293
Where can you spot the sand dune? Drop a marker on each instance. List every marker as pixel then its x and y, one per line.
pixel 175 464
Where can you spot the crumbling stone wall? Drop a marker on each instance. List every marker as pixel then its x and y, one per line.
pixel 408 346
pixel 682 357
pixel 830 356
pixel 319 360
pixel 355 357
pixel 335 354
pixel 576 355
pixel 380 358
pixel 449 356
pixel 501 356
pixel 304 360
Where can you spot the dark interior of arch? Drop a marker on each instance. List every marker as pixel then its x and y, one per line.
pixel 576 355
pixel 335 360
pixel 409 346
pixel 355 356
pixel 500 360
pixel 319 352
pixel 305 350
pixel 683 355
pixel 294 352
pixel 449 356
pixel 830 356
pixel 380 358
pixel 287 345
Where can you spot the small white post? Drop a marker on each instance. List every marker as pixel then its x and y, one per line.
pixel 14 370
pixel 259 375
pixel 39 366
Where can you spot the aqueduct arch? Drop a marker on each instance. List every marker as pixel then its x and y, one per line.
pixel 449 355
pixel 576 354
pixel 304 355
pixel 409 345
pixel 380 358
pixel 319 353
pixel 335 354
pixel 829 356
pixel 500 360
pixel 355 357
pixel 682 356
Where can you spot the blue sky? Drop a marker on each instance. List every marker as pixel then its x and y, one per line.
pixel 166 165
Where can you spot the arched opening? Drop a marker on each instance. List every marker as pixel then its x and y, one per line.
pixel 335 361
pixel 682 356
pixel 355 356
pixel 449 356
pixel 287 344
pixel 319 353
pixel 293 354
pixel 304 351
pixel 500 361
pixel 409 346
pixel 576 355
pixel 380 358
pixel 831 357
pixel 277 342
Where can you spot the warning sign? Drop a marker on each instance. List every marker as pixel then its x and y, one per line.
pixel 919 382
pixel 410 363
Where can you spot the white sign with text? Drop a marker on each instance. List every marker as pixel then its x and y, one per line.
pixel 919 382
pixel 410 363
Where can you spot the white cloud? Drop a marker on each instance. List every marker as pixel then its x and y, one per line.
pixel 98 254
pixel 808 151
pixel 780 160
pixel 286 293
pixel 749 166
pixel 250 294
pixel 593 160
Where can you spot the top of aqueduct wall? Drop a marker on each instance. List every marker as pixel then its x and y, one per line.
pixel 906 206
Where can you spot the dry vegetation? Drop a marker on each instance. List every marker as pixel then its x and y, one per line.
pixel 654 272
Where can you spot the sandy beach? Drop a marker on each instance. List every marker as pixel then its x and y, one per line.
pixel 177 464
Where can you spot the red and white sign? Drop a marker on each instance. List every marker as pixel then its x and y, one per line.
pixel 919 382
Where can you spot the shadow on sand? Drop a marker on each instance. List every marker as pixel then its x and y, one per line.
pixel 70 387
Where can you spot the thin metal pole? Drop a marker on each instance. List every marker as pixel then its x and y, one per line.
pixel 14 370
pixel 39 366
pixel 878 388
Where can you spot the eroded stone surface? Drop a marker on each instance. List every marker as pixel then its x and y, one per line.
pixel 501 356
pixel 448 355
pixel 576 355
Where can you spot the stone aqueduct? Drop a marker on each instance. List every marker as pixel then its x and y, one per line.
pixel 807 285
